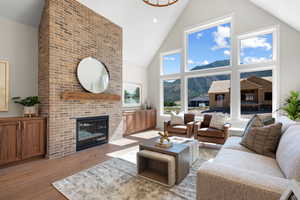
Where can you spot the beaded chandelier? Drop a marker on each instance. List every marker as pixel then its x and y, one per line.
pixel 160 3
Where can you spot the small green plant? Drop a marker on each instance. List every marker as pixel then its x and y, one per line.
pixel 292 106
pixel 28 101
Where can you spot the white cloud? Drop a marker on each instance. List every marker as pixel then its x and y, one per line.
pixel 169 58
pixel 205 62
pixel 220 36
pixel 250 60
pixel 191 62
pixel 227 53
pixel 256 42
pixel 199 35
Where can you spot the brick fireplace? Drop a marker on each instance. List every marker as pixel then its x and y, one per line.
pixel 70 32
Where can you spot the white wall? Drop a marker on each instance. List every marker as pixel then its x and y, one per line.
pixel 247 18
pixel 132 73
pixel 19 46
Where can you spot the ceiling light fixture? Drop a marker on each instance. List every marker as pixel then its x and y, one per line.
pixel 155 20
pixel 160 3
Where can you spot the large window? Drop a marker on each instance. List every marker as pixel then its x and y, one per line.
pixel 212 81
pixel 209 94
pixel 209 47
pixel 171 63
pixel 171 90
pixel 256 49
pixel 256 93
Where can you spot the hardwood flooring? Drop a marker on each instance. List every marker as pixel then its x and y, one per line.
pixel 32 180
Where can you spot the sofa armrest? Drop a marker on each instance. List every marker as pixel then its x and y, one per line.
pixel 217 181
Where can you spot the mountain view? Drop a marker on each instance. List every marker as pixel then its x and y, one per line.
pixel 198 87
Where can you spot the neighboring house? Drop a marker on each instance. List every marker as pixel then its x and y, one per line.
pixel 199 101
pixel 256 94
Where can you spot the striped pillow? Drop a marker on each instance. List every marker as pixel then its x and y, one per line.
pixel 263 140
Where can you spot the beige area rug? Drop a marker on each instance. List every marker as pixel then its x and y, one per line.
pixel 128 154
pixel 146 134
pixel 116 179
pixel 123 142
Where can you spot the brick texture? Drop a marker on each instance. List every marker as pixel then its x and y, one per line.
pixel 70 32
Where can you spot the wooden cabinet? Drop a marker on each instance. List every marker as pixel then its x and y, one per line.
pixel 138 120
pixel 21 138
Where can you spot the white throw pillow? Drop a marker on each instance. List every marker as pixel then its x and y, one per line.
pixel 177 118
pixel 217 121
pixel 286 123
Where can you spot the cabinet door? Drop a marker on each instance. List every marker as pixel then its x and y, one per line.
pixel 130 123
pixel 33 138
pixel 153 118
pixel 9 142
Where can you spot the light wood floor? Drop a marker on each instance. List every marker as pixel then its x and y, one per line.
pixel 32 180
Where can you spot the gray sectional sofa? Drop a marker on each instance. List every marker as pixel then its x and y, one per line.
pixel 240 174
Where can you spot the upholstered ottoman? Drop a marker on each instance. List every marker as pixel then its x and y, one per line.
pixel 157 167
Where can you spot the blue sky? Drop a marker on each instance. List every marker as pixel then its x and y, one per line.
pixel 213 44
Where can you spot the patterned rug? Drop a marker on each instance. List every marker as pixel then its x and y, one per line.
pixel 116 179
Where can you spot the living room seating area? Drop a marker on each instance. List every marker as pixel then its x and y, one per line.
pixel 149 100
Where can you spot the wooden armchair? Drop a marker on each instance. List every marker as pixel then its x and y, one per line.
pixel 204 133
pixel 185 130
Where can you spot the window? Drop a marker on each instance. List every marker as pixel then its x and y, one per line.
pixel 257 49
pixel 209 48
pixel 268 96
pixel 209 94
pixel 171 63
pixel 171 90
pixel 256 93
pixel 205 86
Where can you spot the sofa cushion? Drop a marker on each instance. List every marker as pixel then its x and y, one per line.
pixel 263 140
pixel 249 161
pixel 288 152
pixel 234 143
pixel 286 123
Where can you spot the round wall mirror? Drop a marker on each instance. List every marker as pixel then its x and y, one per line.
pixel 93 75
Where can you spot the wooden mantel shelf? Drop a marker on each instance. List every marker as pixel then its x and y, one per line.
pixel 90 96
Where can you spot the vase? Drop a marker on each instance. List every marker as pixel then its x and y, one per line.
pixel 29 111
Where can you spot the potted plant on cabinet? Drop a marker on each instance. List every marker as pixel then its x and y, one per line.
pixel 292 106
pixel 29 104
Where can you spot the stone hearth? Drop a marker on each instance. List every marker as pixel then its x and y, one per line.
pixel 70 32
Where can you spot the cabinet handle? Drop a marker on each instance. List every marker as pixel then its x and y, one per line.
pixel 19 125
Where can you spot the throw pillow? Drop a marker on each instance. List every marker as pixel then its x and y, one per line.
pixel 255 121
pixel 286 123
pixel 177 118
pixel 217 121
pixel 263 140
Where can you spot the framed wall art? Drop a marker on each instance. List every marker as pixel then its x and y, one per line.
pixel 132 95
pixel 4 85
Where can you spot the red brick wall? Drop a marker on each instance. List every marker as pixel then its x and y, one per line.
pixel 70 32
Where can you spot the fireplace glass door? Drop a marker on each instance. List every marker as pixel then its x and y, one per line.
pixel 91 132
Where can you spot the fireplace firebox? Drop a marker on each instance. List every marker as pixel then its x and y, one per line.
pixel 91 131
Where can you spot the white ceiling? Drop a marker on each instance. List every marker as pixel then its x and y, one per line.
pixel 24 11
pixel 285 10
pixel 142 37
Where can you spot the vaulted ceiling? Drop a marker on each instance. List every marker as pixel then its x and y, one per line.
pixel 144 27
pixel 286 11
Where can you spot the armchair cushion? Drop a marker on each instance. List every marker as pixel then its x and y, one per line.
pixel 176 118
pixel 217 121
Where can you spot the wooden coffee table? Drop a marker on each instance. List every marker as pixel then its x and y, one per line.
pixel 179 151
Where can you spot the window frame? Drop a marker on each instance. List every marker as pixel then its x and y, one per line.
pixel 268 30
pixel 162 55
pixel 204 26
